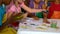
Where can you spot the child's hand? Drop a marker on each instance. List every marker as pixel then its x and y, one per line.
pixel 25 15
pixel 36 18
pixel 46 21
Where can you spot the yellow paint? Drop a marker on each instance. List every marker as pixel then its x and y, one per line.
pixel 8 31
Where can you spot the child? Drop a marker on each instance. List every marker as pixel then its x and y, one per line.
pixel 2 12
pixel 54 10
pixel 7 6
pixel 36 4
pixel 45 13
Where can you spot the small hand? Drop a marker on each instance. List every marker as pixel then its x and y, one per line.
pixel 46 21
pixel 36 18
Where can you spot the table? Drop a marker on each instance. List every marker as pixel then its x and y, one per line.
pixel 31 26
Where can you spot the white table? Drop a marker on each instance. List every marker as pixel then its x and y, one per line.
pixel 36 29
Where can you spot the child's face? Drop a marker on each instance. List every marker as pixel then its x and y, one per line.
pixel 37 1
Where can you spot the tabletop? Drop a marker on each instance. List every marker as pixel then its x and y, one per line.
pixel 31 25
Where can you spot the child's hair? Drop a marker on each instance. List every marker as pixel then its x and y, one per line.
pixel 0 2
pixel 6 2
pixel 14 1
pixel 27 2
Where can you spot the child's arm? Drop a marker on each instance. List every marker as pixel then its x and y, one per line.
pixel 45 17
pixel 44 13
pixel 31 10
pixel 9 14
pixel 10 11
